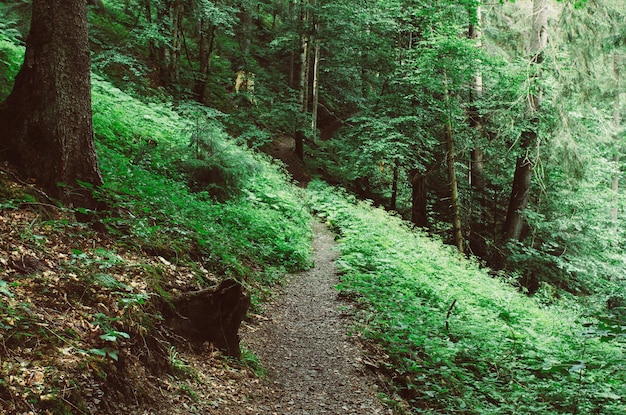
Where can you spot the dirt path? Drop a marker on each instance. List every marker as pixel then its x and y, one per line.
pixel 313 366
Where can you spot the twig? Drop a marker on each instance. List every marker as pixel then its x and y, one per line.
pixel 448 318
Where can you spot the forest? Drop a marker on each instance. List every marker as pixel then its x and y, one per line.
pixel 468 154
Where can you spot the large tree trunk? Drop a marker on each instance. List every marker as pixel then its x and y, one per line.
pixel 520 190
pixel 46 121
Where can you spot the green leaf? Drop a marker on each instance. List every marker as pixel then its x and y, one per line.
pixel 4 290
pixel 112 336
pixel 98 352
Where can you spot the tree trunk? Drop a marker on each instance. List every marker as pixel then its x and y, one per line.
pixel 46 121
pixel 419 214
pixel 316 84
pixel 476 91
pixel 164 52
pixel 293 18
pixel 151 45
pixel 519 199
pixel 206 45
pixel 299 143
pixel 394 186
pixel 477 169
pixel 305 62
pixel 457 234
pixel 213 314
pixel 177 13
pixel 520 190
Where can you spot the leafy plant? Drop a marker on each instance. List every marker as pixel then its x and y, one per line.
pixel 456 337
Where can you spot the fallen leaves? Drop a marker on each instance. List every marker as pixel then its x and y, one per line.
pixel 75 318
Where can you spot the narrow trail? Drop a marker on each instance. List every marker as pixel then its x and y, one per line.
pixel 313 366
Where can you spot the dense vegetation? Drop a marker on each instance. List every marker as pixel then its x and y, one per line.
pixel 457 340
pixel 427 109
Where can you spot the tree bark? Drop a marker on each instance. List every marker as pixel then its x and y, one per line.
pixel 394 186
pixel 213 314
pixel 305 62
pixel 419 213
pixel 316 83
pixel 206 45
pixel 520 190
pixel 46 122
pixel 519 199
pixel 477 169
pixel 457 234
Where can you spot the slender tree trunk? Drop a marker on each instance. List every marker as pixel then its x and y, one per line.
pixel 293 18
pixel 519 199
pixel 206 45
pixel 457 233
pixel 305 62
pixel 164 52
pixel 151 45
pixel 477 169
pixel 520 190
pixel 394 186
pixel 476 203
pixel 177 13
pixel 419 213
pixel 246 31
pixel 316 83
pixel 476 91
pixel 46 121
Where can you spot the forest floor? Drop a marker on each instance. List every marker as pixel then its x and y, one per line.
pixel 313 366
pixel 56 308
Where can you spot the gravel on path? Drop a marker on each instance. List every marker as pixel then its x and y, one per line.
pixel 313 366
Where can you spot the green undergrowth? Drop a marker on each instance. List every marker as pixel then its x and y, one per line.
pixel 241 219
pixel 11 54
pixel 461 341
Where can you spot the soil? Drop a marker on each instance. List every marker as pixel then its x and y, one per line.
pixel 314 366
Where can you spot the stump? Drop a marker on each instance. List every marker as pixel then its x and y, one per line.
pixel 213 314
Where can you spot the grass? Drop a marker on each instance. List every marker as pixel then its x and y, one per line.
pixel 460 340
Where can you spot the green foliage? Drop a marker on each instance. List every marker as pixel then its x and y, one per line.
pixel 459 339
pixel 148 154
pixel 11 55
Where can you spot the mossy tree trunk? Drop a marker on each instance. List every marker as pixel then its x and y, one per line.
pixel 46 122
